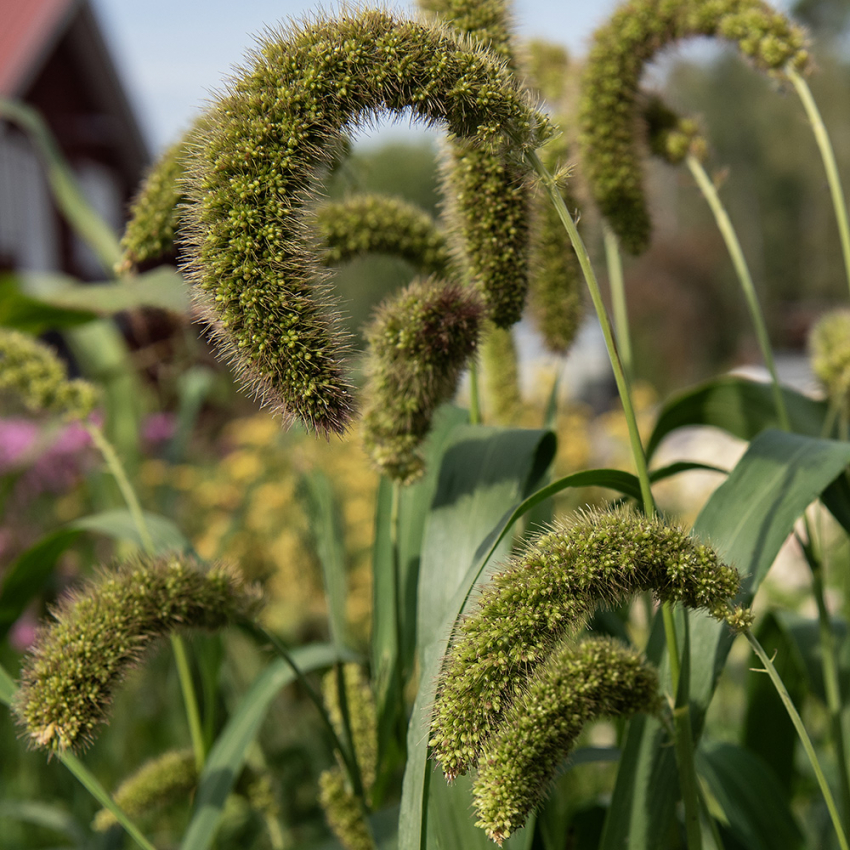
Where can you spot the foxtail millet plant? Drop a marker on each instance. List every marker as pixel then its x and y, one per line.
pixel 165 779
pixel 608 110
pixel 31 371
pixel 279 124
pixel 545 594
pixel 576 684
pixel 102 629
pixel 420 342
pixel 343 811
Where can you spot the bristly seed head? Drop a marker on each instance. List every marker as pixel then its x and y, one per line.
pixel 575 685
pixel 829 349
pixel 545 594
pixel 104 628
pixel 282 121
pixel 32 371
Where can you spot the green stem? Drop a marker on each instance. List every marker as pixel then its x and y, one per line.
pixel 724 224
pixel 554 194
pixel 687 775
pixel 193 715
pixel 683 739
pixel 803 735
pixel 261 635
pixel 113 462
pixel 616 284
pixel 829 665
pixel 90 783
pixel 397 613
pixel 828 157
pixel 187 686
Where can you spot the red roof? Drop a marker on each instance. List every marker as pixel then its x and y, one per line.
pixel 28 31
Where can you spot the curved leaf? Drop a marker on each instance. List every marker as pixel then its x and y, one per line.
pixel 741 407
pixel 119 525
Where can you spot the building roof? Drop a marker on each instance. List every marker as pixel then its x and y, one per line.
pixel 30 30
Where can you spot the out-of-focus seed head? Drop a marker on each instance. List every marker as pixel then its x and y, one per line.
pixel 103 629
pixel 420 343
pixel 829 350
pixel 158 782
pixel 30 370
pixel 253 261
pixel 608 110
pixel 545 594
pixel 343 812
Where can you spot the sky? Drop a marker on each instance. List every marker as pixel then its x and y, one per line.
pixel 172 54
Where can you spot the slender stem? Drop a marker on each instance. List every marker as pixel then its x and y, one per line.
pixel 260 634
pixel 113 462
pixel 803 735
pixel 397 606
pixel 672 645
pixel 828 157
pixel 90 783
pixel 345 714
pixel 829 664
pixel 187 686
pixel 687 775
pixel 596 296
pixel 724 224
pixel 683 738
pixel 193 715
pixel 474 398
pixel 616 283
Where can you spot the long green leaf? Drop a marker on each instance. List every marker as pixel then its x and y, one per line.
pixel 162 287
pixel 26 577
pixel 750 796
pixel 31 315
pixel 119 525
pixel 45 815
pixel 394 589
pixel 66 190
pixel 748 518
pixel 327 535
pixel 740 407
pixel 227 756
pixel 7 686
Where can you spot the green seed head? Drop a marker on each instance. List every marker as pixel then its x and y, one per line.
pixel 501 374
pixel 158 782
pixel 420 343
pixel 31 371
pixel 829 348
pixel 671 137
pixel 103 629
pixel 575 685
pixel 281 122
pixel 343 812
pixel 609 103
pixel 365 224
pixel 545 594
pixel 361 715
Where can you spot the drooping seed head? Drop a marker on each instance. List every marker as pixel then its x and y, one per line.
pixel 31 371
pixel 545 594
pixel 671 137
pixel 280 122
pixel 609 104
pixel 103 629
pixel 829 349
pixel 575 685
pixel 158 782
pixel 360 703
pixel 343 812
pixel 366 224
pixel 420 342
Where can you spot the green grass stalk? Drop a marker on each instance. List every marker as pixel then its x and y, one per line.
pixel 803 735
pixel 724 224
pixel 683 738
pixel 828 157
pixel 616 284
